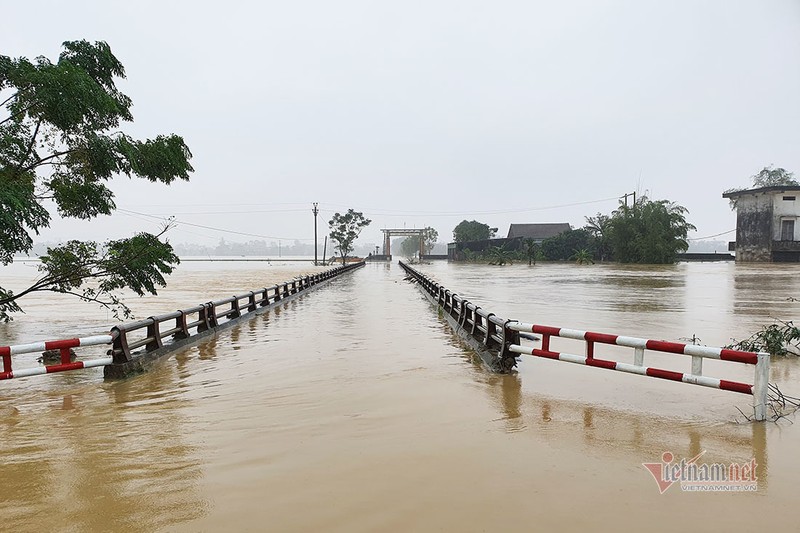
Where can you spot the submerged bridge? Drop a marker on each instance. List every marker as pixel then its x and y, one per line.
pixel 498 341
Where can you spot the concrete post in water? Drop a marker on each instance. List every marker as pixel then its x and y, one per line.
pixel 761 386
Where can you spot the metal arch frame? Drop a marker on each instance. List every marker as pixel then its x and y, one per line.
pixel 401 232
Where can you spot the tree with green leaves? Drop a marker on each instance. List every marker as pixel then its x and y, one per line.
pixel 767 177
pixel 530 250
pixel 472 230
pixel 583 257
pixel 500 255
pixel 561 247
pixel 410 244
pixel 651 232
pixel 345 229
pixel 598 227
pixel 60 142
pixel 773 177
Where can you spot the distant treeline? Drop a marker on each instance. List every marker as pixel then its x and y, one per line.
pixel 256 248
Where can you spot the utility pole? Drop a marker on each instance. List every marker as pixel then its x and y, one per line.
pixel 630 194
pixel 315 210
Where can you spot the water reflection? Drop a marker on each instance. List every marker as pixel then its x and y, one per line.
pixel 627 434
pixel 122 469
pixel 358 385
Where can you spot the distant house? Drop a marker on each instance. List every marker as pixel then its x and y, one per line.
pixel 766 224
pixel 456 251
pixel 537 232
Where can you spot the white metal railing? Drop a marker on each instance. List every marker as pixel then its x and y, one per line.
pixel 759 389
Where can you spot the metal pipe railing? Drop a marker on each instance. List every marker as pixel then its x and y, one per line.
pixel 504 336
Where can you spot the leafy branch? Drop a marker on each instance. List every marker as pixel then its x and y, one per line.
pixel 773 339
pixel 137 263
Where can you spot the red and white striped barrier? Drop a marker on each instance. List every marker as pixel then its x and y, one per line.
pixel 758 389
pixel 63 346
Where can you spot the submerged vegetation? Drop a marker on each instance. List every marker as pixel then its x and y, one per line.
pixel 778 338
pixel 646 232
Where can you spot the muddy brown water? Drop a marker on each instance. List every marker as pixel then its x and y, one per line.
pixel 354 408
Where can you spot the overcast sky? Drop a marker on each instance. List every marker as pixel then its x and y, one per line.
pixel 427 113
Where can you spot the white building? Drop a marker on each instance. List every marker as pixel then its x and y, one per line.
pixel 767 224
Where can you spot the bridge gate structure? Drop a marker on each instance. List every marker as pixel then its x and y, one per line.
pixel 401 232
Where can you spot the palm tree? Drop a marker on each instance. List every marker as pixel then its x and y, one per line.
pixel 583 257
pixel 499 255
pixel 530 250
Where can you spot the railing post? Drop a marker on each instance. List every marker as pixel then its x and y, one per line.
pixel 7 361
pixel 119 348
pixel 235 311
pixel 251 302
pixel 475 318
pixel 206 317
pixel 697 365
pixel 154 334
pixel 508 359
pixel 638 356
pixel 761 386
pixel 181 322
pixel 490 329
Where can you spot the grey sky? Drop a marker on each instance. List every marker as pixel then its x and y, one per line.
pixel 426 113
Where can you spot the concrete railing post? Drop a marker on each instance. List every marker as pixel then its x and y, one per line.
pixel 761 386
pixel 120 351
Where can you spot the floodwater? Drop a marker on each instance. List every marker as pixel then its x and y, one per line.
pixel 354 408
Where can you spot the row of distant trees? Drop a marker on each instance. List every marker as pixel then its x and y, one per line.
pixel 646 231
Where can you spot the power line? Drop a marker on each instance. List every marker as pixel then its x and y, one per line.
pixel 238 211
pixel 223 230
pixel 373 210
pixel 711 236
pixel 390 212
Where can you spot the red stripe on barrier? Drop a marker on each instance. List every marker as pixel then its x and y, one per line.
pixel 6 362
pixel 546 330
pixel 6 375
pixel 602 363
pixel 664 374
pixel 65 343
pixel 5 350
pixel 740 357
pixel 664 346
pixel 545 353
pixel 735 386
pixel 600 337
pixel 62 368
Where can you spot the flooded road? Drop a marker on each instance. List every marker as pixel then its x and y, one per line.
pixel 354 408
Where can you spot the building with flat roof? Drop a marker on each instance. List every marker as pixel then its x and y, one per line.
pixel 766 224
